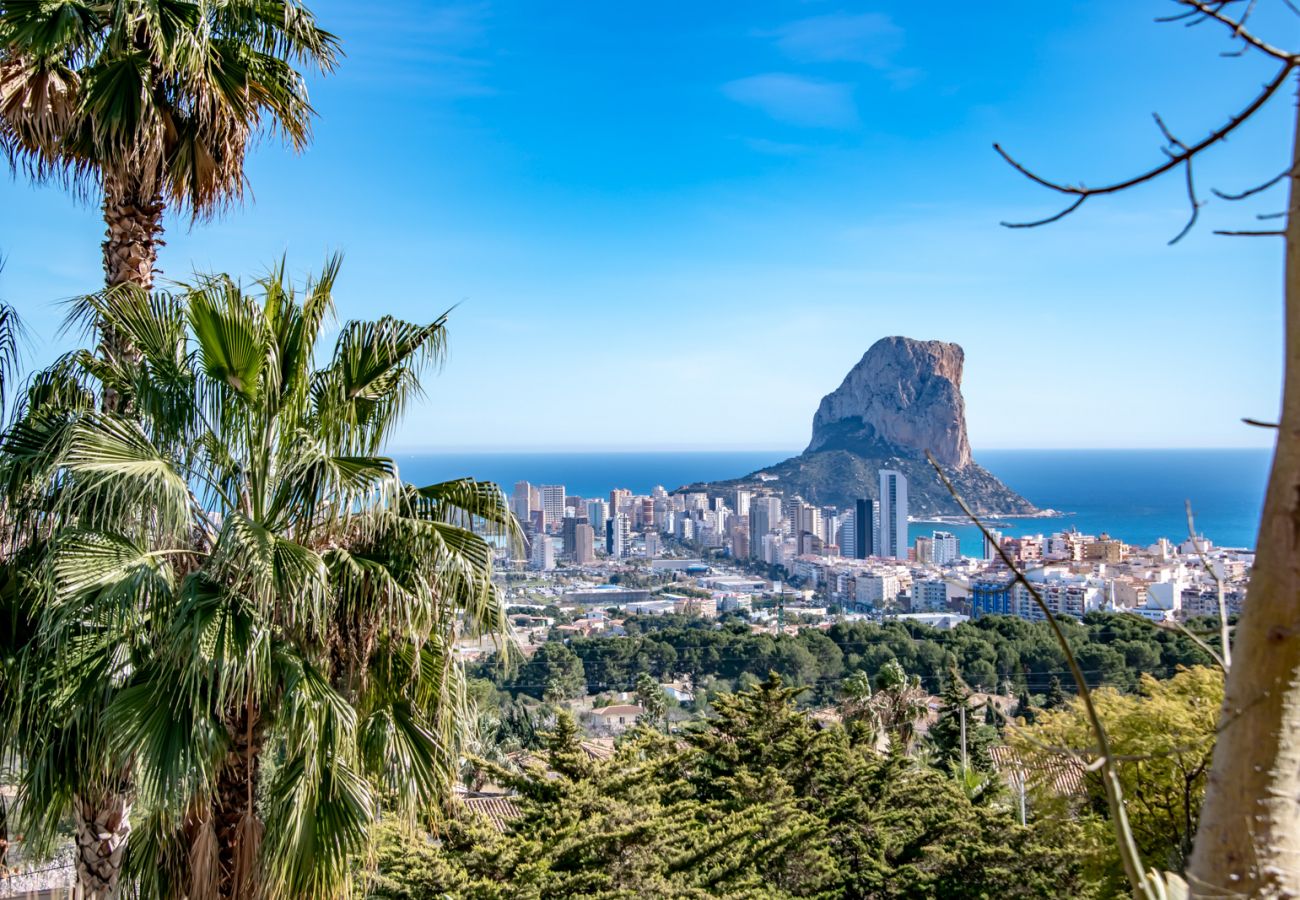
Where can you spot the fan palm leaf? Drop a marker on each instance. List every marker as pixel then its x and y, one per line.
pixel 234 573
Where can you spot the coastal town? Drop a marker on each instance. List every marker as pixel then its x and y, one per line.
pixel 773 558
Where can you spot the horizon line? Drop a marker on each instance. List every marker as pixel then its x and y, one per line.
pixel 714 448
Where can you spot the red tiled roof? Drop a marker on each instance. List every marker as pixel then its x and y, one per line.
pixel 1062 775
pixel 498 809
pixel 621 709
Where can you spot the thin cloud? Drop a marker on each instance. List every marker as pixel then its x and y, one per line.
pixel 442 51
pixel 870 38
pixel 797 100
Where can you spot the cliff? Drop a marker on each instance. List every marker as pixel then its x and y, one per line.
pixel 903 398
pixel 902 394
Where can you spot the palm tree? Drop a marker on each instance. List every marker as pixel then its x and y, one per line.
pixel 151 103
pixel 236 603
pixel 898 703
pixel 11 337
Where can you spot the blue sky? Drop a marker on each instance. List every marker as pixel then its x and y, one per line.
pixel 678 225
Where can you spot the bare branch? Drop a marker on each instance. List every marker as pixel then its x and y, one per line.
pixel 1189 14
pixel 1251 233
pixel 1258 424
pixel 1168 135
pixel 1238 26
pixel 1259 188
pixel 1225 658
pixel 1174 160
pixel 1050 219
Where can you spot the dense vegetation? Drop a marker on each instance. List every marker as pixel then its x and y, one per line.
pixel 228 621
pixel 994 653
pixel 1164 735
pixel 756 802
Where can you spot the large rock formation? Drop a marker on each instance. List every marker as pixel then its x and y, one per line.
pixel 902 399
pixel 902 393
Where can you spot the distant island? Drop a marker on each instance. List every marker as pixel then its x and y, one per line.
pixel 902 399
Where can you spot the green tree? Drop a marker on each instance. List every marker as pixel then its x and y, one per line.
pixel 959 735
pixel 1164 736
pixel 754 802
pixel 241 617
pixel 152 104
pixel 899 704
pixel 855 701
pixel 650 697
pixel 1025 708
pixel 556 667
pixel 1056 697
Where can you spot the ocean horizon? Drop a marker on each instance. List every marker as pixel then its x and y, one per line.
pixel 1137 496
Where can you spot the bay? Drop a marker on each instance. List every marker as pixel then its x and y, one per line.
pixel 1135 495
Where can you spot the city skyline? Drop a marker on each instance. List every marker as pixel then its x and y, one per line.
pixel 796 179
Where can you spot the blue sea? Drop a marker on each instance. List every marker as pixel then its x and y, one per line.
pixel 1134 495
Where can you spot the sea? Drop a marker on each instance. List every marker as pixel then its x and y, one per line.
pixel 1137 496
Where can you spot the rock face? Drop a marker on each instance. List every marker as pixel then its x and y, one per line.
pixel 903 394
pixel 903 398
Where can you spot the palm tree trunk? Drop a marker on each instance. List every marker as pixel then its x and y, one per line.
pixel 134 224
pixel 1248 842
pixel 237 824
pixel 102 826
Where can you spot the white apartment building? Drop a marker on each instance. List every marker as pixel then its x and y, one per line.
pixel 893 514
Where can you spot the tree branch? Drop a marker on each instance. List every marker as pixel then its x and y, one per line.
pixel 1250 192
pixel 1238 26
pixel 1185 155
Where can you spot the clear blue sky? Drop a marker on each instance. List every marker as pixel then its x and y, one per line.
pixel 680 224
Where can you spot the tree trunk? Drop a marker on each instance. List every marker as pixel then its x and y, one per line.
pixel 132 239
pixel 1248 842
pixel 134 224
pixel 102 825
pixel 235 818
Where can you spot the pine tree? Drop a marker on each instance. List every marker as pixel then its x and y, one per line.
pixel 1025 708
pixel 1056 697
pixel 755 802
pixel 946 733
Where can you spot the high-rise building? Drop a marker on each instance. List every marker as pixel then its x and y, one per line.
pixel 619 498
pixel 893 514
pixel 553 505
pixel 568 533
pixel 543 554
pixel 764 518
pixel 742 502
pixel 740 537
pixel 584 539
pixel 805 523
pixel 847 536
pixel 597 512
pixel 663 516
pixel 521 501
pixel 991 546
pixel 946 548
pixel 652 546
pixel 618 536
pixel 866 530
pixel 923 550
